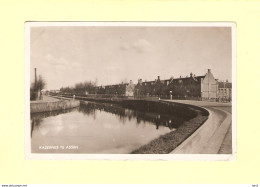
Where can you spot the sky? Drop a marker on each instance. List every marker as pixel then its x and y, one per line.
pixel 66 55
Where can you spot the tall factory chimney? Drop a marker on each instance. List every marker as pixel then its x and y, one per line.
pixel 35 82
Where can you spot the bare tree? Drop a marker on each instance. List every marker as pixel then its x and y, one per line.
pixel 37 87
pixel 41 83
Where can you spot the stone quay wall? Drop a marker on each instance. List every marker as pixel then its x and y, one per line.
pixel 53 106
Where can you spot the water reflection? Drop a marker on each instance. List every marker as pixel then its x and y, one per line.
pixel 97 128
pixel 37 118
pixel 90 108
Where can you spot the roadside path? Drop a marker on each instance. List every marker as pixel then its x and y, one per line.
pixel 215 135
pixel 226 147
pixel 46 99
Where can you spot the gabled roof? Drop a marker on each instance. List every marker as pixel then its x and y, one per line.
pixel 200 77
pixel 197 78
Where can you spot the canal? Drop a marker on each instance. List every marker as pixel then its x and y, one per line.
pixel 98 128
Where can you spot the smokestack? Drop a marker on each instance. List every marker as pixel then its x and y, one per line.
pixel 35 83
pixel 158 77
pixel 191 74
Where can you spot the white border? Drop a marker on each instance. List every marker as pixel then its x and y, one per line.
pixel 234 91
pixel 146 157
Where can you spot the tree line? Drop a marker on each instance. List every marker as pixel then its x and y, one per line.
pixel 81 88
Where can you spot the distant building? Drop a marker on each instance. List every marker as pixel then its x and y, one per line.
pixel 204 87
pixel 55 91
pixel 225 91
pixel 209 87
pixel 123 89
pixel 190 87
pixel 130 89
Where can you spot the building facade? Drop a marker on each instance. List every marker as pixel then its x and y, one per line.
pixel 129 90
pixel 209 87
pixel 193 87
pixel 225 91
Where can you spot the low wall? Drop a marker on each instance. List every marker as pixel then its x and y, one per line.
pixel 208 138
pixel 53 106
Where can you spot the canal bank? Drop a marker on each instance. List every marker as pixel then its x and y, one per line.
pixel 194 117
pixel 101 128
pixel 214 136
pixel 48 104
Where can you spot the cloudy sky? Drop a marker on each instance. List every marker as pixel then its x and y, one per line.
pixel 68 55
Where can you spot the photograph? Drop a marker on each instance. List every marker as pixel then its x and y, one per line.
pixel 130 90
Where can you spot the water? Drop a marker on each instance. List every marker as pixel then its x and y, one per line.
pixel 97 128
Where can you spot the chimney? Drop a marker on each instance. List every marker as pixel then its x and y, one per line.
pixel 131 82
pixel 35 80
pixel 209 70
pixel 158 77
pixel 191 74
pixel 140 81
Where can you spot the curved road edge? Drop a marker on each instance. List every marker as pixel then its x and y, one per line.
pixel 212 135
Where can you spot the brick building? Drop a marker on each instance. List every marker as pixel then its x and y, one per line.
pixel 129 89
pixel 225 91
pixel 191 87
pixel 204 87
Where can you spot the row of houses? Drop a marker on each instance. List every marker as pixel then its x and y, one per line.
pixel 204 87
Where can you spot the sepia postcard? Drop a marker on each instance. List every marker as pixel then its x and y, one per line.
pixel 130 90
